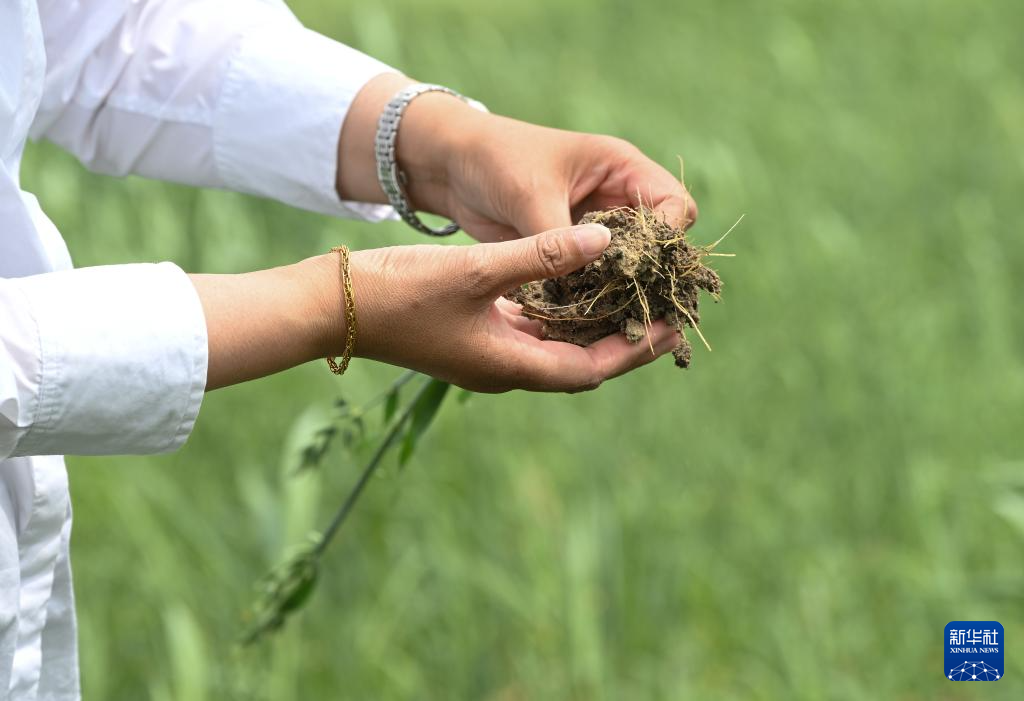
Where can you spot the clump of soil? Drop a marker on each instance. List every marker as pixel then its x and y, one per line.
pixel 648 272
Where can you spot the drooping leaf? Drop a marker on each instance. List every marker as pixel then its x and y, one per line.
pixel 300 587
pixel 390 405
pixel 357 431
pixel 312 452
pixel 423 412
pixel 285 589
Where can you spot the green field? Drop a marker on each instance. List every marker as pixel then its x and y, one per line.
pixel 795 517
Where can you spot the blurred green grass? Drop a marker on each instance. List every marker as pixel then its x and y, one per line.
pixel 797 517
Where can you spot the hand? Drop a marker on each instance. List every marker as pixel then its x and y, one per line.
pixel 439 310
pixel 517 179
pixel 497 177
pixel 436 309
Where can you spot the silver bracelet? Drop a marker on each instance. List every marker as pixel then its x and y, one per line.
pixel 391 178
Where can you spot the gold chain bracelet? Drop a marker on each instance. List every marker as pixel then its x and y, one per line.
pixel 350 313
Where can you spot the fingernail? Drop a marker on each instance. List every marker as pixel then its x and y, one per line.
pixel 592 239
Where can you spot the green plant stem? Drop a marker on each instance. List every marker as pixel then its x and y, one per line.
pixel 371 467
pixel 402 380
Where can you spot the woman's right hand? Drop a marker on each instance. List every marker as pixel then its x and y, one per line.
pixel 439 310
pixel 436 309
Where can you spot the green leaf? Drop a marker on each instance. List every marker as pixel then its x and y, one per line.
pixel 423 412
pixel 357 433
pixel 299 588
pixel 313 454
pixel 285 590
pixel 390 405
pixel 464 395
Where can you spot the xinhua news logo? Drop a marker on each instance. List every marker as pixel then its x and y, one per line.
pixel 974 651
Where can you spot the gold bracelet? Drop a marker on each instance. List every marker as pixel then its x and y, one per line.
pixel 350 313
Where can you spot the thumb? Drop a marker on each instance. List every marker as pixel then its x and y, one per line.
pixel 549 254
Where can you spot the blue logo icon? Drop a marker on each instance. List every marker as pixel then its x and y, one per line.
pixel 974 651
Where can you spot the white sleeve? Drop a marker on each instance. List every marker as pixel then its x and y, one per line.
pixel 234 94
pixel 100 361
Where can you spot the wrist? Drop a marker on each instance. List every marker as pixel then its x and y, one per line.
pixel 325 302
pixel 436 133
pixel 322 303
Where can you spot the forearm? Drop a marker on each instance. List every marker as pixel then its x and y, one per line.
pixel 263 322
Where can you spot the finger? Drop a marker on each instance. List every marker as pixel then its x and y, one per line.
pixel 489 232
pixel 513 314
pixel 543 216
pixel 614 355
pixel 554 253
pixel 526 325
pixel 678 210
pixel 553 366
pixel 507 305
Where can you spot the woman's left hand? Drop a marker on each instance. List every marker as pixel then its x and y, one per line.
pixel 499 178
pixel 518 179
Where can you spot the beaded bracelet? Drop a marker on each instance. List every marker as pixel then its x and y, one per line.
pixel 350 313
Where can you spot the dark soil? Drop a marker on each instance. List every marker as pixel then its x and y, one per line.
pixel 648 272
